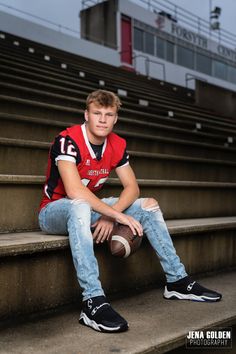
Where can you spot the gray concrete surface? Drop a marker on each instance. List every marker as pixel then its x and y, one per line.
pixel 23 242
pixel 156 325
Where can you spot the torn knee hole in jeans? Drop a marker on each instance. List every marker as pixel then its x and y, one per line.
pixel 150 205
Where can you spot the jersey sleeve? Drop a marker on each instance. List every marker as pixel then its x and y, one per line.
pixel 124 161
pixel 64 148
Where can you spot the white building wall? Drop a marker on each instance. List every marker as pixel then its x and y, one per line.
pixel 35 32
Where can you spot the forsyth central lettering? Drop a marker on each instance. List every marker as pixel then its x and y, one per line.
pixel 226 52
pixel 189 36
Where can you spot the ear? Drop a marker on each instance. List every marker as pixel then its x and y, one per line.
pixel 86 115
pixel 116 119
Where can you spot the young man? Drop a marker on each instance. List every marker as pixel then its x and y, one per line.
pixel 80 161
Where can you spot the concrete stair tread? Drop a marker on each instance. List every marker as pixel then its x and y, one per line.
pixel 221 121
pixel 132 88
pixel 32 179
pixel 29 242
pixel 156 325
pixel 58 54
pixel 16 142
pixel 44 68
pixel 79 97
pixel 221 133
pixel 150 137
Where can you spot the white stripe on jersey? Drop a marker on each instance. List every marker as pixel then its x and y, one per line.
pixel 65 158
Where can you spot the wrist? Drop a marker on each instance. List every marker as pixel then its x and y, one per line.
pixel 118 208
pixel 116 213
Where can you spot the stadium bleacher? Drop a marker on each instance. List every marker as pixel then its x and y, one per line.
pixel 183 155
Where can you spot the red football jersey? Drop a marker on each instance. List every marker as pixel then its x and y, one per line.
pixel 73 145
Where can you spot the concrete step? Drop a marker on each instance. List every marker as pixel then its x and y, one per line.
pixel 30 157
pixel 36 109
pixel 156 325
pixel 151 88
pixel 186 124
pixel 168 127
pixel 167 106
pixel 36 81
pixel 178 199
pixel 114 73
pixel 136 141
pixel 16 126
pixel 40 270
pixel 14 61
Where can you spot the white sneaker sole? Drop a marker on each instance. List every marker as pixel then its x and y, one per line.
pixel 84 319
pixel 172 295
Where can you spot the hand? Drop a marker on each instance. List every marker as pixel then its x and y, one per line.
pixel 103 228
pixel 134 225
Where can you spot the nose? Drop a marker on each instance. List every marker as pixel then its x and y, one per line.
pixel 102 118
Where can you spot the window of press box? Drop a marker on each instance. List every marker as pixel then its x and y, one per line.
pixel 149 43
pixel 185 57
pixel 160 47
pixel 170 51
pixel 203 64
pixel 138 39
pixel 220 70
pixel 232 74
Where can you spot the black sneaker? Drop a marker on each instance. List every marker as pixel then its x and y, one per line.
pixel 186 289
pixel 98 314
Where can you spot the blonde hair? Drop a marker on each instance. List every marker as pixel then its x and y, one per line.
pixel 103 98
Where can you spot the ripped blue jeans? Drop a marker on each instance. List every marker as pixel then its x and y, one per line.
pixel 75 217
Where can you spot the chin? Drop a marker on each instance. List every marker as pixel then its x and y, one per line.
pixel 102 133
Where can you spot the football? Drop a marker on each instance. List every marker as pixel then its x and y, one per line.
pixel 123 242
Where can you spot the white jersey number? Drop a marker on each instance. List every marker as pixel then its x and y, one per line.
pixel 70 148
pixel 86 181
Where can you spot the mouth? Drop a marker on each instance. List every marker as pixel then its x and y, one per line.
pixel 101 127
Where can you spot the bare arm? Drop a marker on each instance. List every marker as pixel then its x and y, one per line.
pixel 76 190
pixel 130 190
pixel 128 195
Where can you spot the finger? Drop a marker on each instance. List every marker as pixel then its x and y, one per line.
pixel 139 228
pixel 109 235
pixel 132 228
pixel 96 231
pixel 105 235
pixel 101 234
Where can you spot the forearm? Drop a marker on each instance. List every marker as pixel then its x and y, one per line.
pixel 83 193
pixel 127 197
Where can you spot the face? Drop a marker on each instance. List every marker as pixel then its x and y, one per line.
pixel 99 122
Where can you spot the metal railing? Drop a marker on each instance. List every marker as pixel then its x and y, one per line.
pixel 189 20
pixel 147 62
pixel 189 77
pixel 89 3
pixel 54 25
